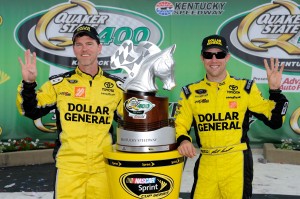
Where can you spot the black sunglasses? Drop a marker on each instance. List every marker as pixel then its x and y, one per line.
pixel 209 55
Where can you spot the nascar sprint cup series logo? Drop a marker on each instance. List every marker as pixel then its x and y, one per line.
pixel 269 30
pixel 147 185
pixel 49 32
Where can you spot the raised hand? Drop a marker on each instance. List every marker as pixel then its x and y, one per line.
pixel 274 73
pixel 29 71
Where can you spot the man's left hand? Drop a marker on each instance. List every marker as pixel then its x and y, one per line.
pixel 274 73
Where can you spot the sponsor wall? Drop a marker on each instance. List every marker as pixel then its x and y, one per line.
pixel 254 30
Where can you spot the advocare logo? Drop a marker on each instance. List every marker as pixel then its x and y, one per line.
pixel 269 30
pixel 147 185
pixel 49 32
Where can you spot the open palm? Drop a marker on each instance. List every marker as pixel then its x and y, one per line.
pixel 29 71
pixel 274 73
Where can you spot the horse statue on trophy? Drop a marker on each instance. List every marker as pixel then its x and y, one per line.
pixel 143 64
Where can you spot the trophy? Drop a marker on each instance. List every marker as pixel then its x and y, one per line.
pixel 145 126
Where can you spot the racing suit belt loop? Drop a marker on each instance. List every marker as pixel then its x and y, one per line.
pixel 223 150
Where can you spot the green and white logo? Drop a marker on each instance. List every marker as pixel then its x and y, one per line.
pixel 137 108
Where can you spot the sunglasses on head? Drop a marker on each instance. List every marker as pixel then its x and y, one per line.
pixel 209 55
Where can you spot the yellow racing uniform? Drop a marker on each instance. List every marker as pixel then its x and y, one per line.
pixel 85 108
pixel 220 115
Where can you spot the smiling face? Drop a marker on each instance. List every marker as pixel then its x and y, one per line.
pixel 86 51
pixel 215 68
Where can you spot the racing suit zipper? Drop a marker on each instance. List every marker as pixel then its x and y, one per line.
pixel 90 153
pixel 217 97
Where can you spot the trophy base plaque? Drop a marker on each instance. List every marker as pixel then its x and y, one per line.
pixel 145 149
pixel 146 127
pixel 162 139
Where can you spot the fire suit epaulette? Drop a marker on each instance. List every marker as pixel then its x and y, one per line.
pixel 186 91
pixel 55 79
pixel 248 85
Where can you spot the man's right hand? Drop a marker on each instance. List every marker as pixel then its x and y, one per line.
pixel 29 71
pixel 186 148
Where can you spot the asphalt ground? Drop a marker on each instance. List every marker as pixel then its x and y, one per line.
pixel 39 178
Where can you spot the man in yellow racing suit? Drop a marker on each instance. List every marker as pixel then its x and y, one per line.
pixel 84 120
pixel 85 101
pixel 219 107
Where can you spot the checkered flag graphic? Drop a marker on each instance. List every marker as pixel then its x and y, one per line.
pixel 124 56
pixel 130 59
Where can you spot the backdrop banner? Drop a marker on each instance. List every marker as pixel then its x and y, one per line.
pixel 254 30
